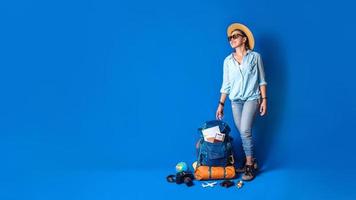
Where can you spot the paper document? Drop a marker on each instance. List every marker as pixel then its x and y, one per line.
pixel 210 133
pixel 220 137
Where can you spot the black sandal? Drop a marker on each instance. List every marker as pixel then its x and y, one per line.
pixel 250 173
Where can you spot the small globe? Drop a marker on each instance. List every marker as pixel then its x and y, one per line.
pixel 182 166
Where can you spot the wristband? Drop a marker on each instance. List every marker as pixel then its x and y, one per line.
pixel 221 103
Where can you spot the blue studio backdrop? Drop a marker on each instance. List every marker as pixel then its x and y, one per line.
pixel 101 99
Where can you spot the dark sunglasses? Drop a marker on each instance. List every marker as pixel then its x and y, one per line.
pixel 234 36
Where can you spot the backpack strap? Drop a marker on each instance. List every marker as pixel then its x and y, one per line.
pixel 199 160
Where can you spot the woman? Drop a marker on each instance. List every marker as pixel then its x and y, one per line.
pixel 244 83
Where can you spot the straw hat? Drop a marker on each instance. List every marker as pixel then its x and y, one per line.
pixel 243 28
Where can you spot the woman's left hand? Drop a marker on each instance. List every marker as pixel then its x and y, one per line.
pixel 263 107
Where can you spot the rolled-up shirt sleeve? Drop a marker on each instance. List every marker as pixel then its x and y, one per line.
pixel 261 71
pixel 225 87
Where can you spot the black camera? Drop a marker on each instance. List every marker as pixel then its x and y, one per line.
pixel 185 177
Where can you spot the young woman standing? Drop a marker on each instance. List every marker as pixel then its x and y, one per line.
pixel 245 85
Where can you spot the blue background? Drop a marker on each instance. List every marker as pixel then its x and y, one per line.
pixel 100 99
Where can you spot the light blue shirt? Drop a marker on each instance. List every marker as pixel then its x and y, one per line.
pixel 242 81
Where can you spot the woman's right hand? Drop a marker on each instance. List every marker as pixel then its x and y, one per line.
pixel 220 112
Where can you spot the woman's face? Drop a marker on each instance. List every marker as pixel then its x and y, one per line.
pixel 237 39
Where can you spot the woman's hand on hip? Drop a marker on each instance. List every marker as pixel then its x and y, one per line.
pixel 263 107
pixel 220 112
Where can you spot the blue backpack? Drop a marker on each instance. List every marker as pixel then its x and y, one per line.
pixel 218 153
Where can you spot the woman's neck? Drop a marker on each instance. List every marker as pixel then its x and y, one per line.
pixel 240 51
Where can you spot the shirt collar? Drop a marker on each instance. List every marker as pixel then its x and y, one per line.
pixel 232 54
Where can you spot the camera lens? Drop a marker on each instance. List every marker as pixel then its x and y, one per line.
pixel 188 181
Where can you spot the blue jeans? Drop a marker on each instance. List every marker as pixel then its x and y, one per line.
pixel 244 113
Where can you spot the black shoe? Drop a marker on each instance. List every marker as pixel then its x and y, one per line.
pixel 242 169
pixel 250 173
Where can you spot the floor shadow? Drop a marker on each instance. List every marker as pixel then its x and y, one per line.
pixel 267 127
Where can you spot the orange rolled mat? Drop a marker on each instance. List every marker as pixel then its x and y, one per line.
pixel 206 172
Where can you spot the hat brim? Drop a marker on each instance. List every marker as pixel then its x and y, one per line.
pixel 234 26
